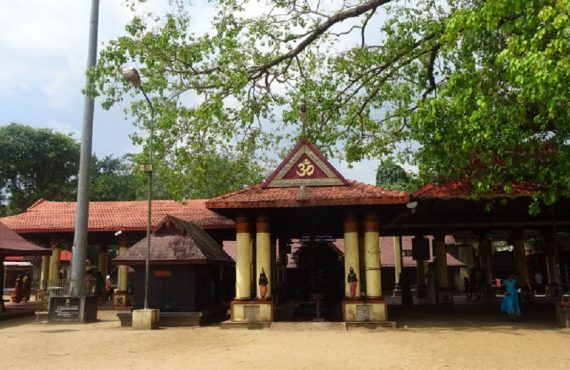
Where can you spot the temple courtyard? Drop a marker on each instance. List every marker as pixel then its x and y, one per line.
pixel 466 337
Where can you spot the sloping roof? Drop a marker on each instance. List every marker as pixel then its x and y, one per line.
pixel 306 179
pixel 354 193
pixel 463 189
pixel 47 216
pixel 12 244
pixel 176 241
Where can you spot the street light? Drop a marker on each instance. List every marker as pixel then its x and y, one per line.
pixel 132 75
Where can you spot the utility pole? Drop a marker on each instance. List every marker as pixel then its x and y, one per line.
pixel 82 210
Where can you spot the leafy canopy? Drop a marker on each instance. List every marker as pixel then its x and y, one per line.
pixel 36 163
pixel 468 89
pixel 392 176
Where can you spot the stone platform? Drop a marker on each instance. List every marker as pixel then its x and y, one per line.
pixel 175 319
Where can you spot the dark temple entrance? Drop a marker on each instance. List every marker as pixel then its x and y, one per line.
pixel 314 277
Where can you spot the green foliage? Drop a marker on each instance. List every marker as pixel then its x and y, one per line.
pixel 36 163
pixel 392 176
pixel 208 175
pixel 461 88
pixel 115 179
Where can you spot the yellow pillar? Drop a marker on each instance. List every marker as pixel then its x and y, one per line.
pixel 122 269
pixel 440 262
pixel 397 258
pixel 44 278
pixel 102 260
pixel 54 263
pixel 351 257
pixel 372 256
pixel 243 258
pixel 263 252
pixel 520 258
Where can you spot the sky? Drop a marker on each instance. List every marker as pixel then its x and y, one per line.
pixel 43 57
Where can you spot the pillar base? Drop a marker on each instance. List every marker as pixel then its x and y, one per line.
pixel 252 311
pixel 563 314
pixel 121 299
pixel 445 296
pixel 527 295
pixel 364 310
pixel 146 319
pixel 421 291
pixel 553 290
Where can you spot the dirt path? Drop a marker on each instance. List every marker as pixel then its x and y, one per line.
pixel 105 345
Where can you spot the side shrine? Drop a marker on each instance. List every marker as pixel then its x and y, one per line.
pixel 307 199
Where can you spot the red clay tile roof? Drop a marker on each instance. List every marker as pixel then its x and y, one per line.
pixel 176 241
pixel 463 189
pixel 354 193
pixel 13 244
pixel 47 216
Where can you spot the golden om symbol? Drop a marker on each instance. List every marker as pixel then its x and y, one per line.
pixel 305 168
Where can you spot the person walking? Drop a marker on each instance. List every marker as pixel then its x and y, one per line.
pixel 510 303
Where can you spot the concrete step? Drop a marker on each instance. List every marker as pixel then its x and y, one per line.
pixel 308 326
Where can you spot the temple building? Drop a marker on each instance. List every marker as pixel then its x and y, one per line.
pixel 309 244
pixel 307 198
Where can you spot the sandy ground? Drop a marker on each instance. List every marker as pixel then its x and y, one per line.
pixel 105 345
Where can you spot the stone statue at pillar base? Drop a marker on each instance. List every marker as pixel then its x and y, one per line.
pixel 352 281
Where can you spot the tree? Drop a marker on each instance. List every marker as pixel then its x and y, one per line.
pixel 115 179
pixel 36 163
pixel 467 89
pixel 392 176
pixel 208 175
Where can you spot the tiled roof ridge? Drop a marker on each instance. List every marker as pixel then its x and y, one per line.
pixel 224 196
pixel 37 203
pixel 465 188
pixel 399 192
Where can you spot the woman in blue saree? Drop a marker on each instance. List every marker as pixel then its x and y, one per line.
pixel 510 303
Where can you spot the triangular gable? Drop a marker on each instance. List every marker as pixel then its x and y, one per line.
pixel 304 165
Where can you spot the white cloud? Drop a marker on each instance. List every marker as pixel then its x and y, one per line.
pixel 63 127
pixel 44 45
